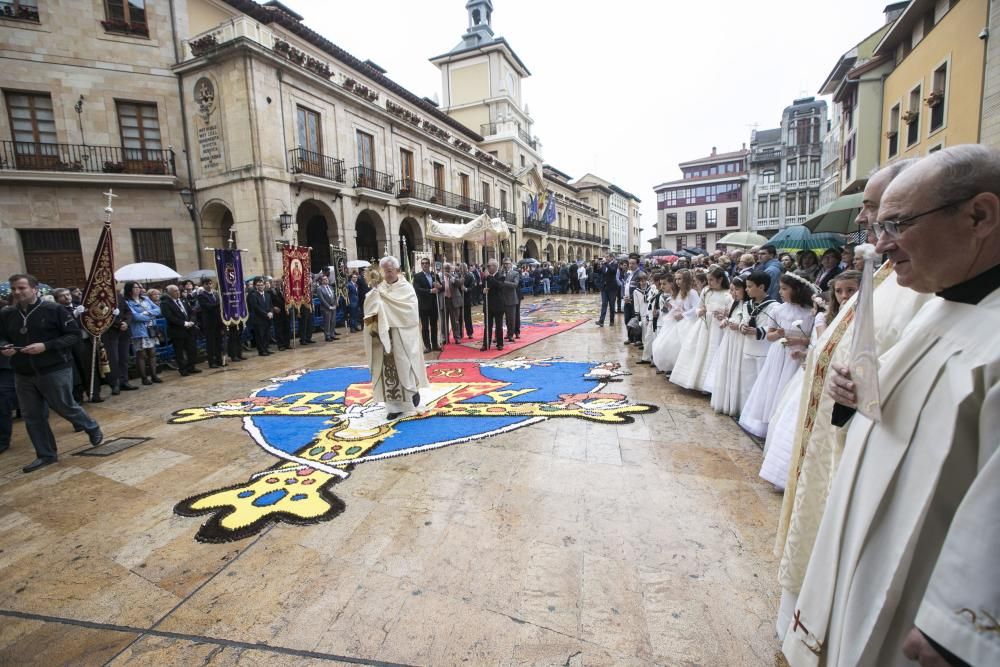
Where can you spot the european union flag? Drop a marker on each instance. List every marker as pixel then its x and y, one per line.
pixel 550 210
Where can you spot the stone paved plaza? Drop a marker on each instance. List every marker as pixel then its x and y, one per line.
pixel 565 542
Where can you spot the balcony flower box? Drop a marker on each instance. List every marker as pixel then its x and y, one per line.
pixel 319 67
pixel 203 44
pixel 935 99
pixel 113 168
pixel 21 13
pixel 289 51
pixel 910 117
pixel 125 28
pixel 891 134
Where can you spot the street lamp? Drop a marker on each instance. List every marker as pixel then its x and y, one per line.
pixel 285 221
pixel 187 197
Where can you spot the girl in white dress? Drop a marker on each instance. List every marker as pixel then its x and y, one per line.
pixel 781 433
pixel 794 317
pixel 668 290
pixel 691 370
pixel 684 310
pixel 725 372
pixel 754 330
pixel 640 298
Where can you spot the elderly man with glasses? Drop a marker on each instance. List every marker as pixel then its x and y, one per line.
pixel 904 565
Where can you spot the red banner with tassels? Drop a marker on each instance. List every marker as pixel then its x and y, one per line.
pixel 297 276
pixel 99 297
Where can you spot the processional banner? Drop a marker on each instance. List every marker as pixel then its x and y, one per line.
pixel 99 297
pixel 297 276
pixel 229 266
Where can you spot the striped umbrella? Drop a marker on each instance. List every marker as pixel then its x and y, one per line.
pixel 798 237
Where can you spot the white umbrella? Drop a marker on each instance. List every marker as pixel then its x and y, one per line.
pixel 146 271
pixel 358 264
pixel 200 274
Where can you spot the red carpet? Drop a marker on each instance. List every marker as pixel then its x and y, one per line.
pixel 540 319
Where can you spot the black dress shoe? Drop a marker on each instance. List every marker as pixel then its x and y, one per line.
pixel 436 348
pixel 194 370
pixel 499 347
pixel 184 374
pixel 4 448
pixel 416 399
pixel 394 415
pixel 147 381
pixel 116 391
pixel 36 464
pixel 156 379
pixel 427 350
pixel 96 437
pixel 96 399
pixel 128 387
pixel 214 365
pixel 482 349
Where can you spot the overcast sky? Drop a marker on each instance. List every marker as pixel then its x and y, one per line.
pixel 625 89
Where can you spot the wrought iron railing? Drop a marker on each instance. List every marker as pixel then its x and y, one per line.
pixel 538 224
pixel 301 161
pixel 490 129
pixel 24 155
pixel 432 195
pixel 365 177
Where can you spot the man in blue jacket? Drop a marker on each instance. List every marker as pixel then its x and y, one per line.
pixel 769 264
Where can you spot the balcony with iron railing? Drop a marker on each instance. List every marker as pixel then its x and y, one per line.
pixel 772 154
pixel 804 150
pixel 407 188
pixel 375 181
pixel 21 160
pixel 508 128
pixel 309 163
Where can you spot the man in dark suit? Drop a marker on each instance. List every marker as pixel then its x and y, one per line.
pixel 261 314
pixel 328 304
pixel 511 296
pixel 282 323
pixel 427 287
pixel 610 289
pixel 210 311
pixel 469 282
pixel 181 330
pixel 493 308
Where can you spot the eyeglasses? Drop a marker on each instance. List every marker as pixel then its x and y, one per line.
pixel 893 229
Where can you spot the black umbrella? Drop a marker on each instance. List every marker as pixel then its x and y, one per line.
pixel 662 252
pixel 695 251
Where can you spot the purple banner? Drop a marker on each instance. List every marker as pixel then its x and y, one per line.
pixel 232 293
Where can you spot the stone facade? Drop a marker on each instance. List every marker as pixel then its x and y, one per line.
pixel 786 167
pixel 70 84
pixel 990 131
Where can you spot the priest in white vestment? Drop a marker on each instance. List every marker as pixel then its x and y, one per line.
pixel 904 564
pixel 393 347
pixel 818 442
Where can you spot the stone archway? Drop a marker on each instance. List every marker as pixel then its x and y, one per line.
pixel 317 228
pixel 550 253
pixel 370 234
pixel 562 253
pixel 531 249
pixel 409 230
pixel 579 254
pixel 216 223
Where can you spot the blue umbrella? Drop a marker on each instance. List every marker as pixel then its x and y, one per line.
pixel 798 237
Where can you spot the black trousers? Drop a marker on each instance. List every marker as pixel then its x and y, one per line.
pixel 510 314
pixel 305 325
pixel 234 341
pixel 282 330
pixel 468 317
pixel 493 326
pixel 629 312
pixel 185 351
pixel 261 334
pixel 429 327
pixel 116 343
pixel 213 345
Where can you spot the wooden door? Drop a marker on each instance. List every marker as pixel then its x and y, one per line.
pixel 54 256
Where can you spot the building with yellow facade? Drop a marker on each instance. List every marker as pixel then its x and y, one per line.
pixel 932 97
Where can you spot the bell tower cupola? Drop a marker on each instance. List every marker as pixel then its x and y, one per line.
pixel 480 18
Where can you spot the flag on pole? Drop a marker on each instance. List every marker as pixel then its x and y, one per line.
pixel 297 275
pixel 229 266
pixel 532 207
pixel 99 297
pixel 550 210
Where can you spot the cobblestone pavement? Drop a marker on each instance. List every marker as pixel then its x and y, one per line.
pixel 565 542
